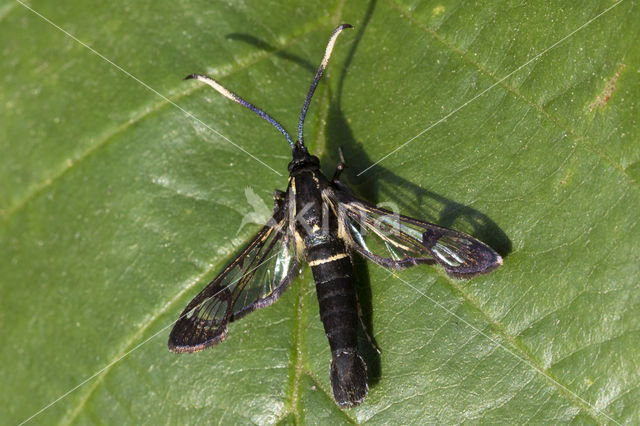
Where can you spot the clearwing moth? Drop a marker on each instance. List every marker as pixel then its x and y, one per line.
pixel 317 220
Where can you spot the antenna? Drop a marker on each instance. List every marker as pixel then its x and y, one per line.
pixel 230 95
pixel 316 80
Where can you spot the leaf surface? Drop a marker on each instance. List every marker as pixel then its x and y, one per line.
pixel 516 123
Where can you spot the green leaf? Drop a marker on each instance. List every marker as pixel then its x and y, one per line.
pixel 117 206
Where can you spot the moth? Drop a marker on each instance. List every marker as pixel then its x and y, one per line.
pixel 319 222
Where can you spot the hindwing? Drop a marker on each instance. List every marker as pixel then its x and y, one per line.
pixel 396 241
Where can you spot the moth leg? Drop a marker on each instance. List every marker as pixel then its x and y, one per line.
pixel 340 167
pixel 278 195
pixel 278 199
pixel 364 327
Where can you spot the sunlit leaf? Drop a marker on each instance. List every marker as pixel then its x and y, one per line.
pixel 515 122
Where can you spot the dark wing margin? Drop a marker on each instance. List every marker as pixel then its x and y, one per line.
pixel 396 241
pixel 255 279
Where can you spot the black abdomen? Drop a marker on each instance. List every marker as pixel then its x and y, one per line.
pixel 333 274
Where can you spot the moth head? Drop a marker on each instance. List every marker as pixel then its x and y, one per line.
pixel 303 161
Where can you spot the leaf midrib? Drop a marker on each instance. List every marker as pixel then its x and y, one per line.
pixel 101 144
pixel 500 329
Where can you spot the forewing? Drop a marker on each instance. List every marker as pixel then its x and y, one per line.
pixel 255 279
pixel 396 241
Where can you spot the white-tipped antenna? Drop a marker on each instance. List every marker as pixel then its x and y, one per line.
pixel 316 79
pixel 230 95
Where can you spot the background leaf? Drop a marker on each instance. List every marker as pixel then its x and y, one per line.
pixel 116 207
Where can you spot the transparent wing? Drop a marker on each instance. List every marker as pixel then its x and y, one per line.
pixel 396 241
pixel 255 279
